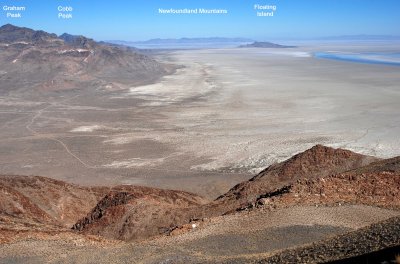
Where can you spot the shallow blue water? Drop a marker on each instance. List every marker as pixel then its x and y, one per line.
pixel 368 58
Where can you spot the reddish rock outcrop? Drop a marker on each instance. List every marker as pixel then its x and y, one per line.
pixel 318 176
pixel 376 189
pixel 46 200
pixel 130 213
pixel 319 161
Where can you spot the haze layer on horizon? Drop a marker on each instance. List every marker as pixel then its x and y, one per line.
pixel 141 20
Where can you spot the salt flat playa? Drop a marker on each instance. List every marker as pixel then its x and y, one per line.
pixel 224 115
pixel 261 106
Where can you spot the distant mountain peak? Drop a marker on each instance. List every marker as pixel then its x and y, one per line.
pixel 10 33
pixel 265 44
pixel 195 40
pixel 77 40
pixel 7 27
pixel 80 62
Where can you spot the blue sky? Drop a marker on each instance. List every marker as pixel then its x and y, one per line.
pixel 139 19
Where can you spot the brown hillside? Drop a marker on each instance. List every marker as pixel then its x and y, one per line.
pixel 376 189
pixel 319 161
pixel 130 216
pixel 36 201
pixel 46 200
pixel 318 176
pixel 139 212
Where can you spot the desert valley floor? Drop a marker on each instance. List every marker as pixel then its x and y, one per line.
pixel 224 115
pixel 109 154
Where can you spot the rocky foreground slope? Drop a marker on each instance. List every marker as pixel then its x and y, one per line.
pixel 318 178
pixel 378 243
pixel 316 162
pixel 31 202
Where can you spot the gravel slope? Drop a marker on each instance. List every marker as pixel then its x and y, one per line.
pixel 260 230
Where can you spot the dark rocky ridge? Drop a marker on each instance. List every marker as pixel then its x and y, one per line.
pixel 139 212
pixel 110 200
pixel 77 41
pixel 10 34
pixel 49 63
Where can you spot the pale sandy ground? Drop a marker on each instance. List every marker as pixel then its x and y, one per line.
pixel 225 115
pixel 265 105
pixel 245 235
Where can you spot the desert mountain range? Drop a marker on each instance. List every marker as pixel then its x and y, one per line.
pixel 52 63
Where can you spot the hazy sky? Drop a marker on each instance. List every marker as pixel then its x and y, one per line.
pixel 140 20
